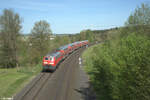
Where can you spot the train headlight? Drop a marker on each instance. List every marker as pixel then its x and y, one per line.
pixel 51 63
pixel 45 62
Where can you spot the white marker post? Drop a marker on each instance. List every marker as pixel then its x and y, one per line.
pixel 80 62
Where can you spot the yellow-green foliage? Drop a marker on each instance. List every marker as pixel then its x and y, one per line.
pixel 120 69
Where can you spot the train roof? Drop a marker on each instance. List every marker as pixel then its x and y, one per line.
pixel 74 43
pixel 63 47
pixel 54 54
pixel 71 44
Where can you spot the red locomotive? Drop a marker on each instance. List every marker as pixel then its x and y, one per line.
pixel 51 61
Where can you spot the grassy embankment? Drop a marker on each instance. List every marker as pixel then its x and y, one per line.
pixel 13 79
pixel 119 69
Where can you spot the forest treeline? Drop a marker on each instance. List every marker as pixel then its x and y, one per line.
pixel 119 68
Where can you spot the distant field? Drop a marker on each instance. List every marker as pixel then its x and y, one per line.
pixel 13 79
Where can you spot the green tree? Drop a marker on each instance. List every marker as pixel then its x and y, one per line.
pixel 40 39
pixel 60 41
pixel 138 21
pixel 10 27
pixel 141 16
pixel 90 35
pixel 87 35
pixel 83 35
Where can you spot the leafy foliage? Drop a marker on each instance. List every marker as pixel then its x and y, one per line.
pixel 10 27
pixel 40 40
pixel 141 16
pixel 87 35
pixel 120 70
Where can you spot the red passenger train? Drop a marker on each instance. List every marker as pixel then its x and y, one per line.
pixel 51 61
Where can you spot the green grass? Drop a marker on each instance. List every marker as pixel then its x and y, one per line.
pixel 12 80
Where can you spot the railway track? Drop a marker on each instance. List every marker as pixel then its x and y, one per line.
pixel 65 77
pixel 69 80
pixel 33 87
pixel 53 86
pixel 32 90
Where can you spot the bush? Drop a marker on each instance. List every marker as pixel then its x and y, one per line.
pixel 120 69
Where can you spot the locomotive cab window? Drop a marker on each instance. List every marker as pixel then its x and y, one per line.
pixel 51 58
pixel 46 58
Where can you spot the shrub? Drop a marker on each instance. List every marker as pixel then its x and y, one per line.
pixel 120 69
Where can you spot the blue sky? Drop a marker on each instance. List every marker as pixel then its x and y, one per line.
pixel 72 16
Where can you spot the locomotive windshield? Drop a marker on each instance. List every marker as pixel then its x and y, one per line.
pixel 51 58
pixel 46 58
